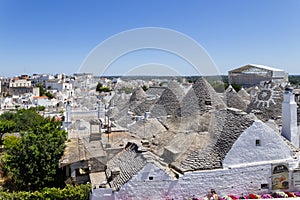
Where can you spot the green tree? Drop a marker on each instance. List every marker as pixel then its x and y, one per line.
pixel 7 116
pixel 126 90
pixel 219 86
pixel 236 87
pixel 32 159
pixel 23 119
pixel 42 89
pixel 145 88
pixel 26 119
pixel 49 95
pixel 38 108
pixel 100 88
pixel 6 126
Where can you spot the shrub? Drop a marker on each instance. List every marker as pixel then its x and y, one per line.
pixel 69 192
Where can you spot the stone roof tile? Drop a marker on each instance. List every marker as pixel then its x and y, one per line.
pixel 232 99
pixel 128 162
pixel 227 126
pixel 138 95
pixel 167 104
pixel 199 99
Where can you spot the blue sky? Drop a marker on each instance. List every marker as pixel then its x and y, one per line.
pixel 52 36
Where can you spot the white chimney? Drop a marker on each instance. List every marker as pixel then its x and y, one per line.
pixel 289 117
pixel 67 122
pixel 146 115
pixel 68 113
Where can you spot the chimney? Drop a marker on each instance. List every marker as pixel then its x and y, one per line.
pixel 146 115
pixel 68 112
pixel 67 122
pixel 289 117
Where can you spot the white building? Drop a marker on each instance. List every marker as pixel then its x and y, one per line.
pixel 57 84
pixel 42 101
pixel 22 81
pixel 253 74
pixel 41 78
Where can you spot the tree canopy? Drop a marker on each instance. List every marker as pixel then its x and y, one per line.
pixel 23 119
pixel 32 158
pixel 6 126
pixel 43 91
pixel 145 88
pixel 100 88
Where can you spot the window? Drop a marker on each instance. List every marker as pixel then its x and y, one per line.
pixel 208 103
pixel 257 143
pixel 264 186
pixel 150 177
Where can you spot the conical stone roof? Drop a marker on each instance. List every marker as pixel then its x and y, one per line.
pixel 167 104
pixel 200 98
pixel 176 88
pixel 138 95
pixel 232 99
pixel 244 94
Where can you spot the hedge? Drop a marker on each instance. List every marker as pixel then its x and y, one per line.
pixel 67 193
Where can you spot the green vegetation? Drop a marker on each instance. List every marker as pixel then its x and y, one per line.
pixel 6 126
pixel 49 95
pixel 100 88
pixel 219 83
pixel 236 87
pixel 219 86
pixel 145 88
pixel 294 79
pixel 67 193
pixel 38 108
pixel 42 89
pixel 126 90
pixel 30 160
pixel 23 119
pixel 43 92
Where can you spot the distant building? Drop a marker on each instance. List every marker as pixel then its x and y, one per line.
pixel 4 85
pixel 42 101
pixel 252 74
pixel 21 85
pixel 84 80
pixel 84 75
pixel 41 78
pixel 57 84
pixel 21 81
pixel 24 90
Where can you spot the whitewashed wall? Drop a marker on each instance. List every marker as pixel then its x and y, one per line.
pixel 244 150
pixel 141 187
pixel 225 181
pixel 236 181
pixel 198 184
